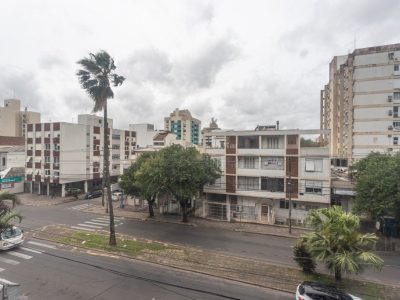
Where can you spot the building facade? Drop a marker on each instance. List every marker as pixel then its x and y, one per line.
pixel 144 134
pixel 184 126
pixel 262 171
pixel 64 155
pixel 13 120
pixel 360 104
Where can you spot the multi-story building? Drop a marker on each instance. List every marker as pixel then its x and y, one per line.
pixel 213 126
pixel 13 120
pixel 144 134
pixel 262 170
pixel 360 104
pixel 68 155
pixel 184 126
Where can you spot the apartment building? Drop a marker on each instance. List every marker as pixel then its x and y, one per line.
pixel 360 104
pixel 65 155
pixel 144 134
pixel 262 170
pixel 184 126
pixel 13 120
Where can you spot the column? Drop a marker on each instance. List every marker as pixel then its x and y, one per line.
pixel 31 186
pixel 63 190
pixel 204 206
pixel 48 189
pixel 39 187
pixel 228 208
pixel 86 186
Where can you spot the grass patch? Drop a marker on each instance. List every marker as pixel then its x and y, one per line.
pixel 100 242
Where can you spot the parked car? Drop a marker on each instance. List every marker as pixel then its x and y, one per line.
pixel 94 194
pixel 11 237
pixel 315 291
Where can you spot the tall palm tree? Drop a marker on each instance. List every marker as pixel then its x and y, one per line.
pixel 96 77
pixel 337 242
pixel 7 203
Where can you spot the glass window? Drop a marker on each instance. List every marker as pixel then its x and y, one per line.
pixel 248 183
pixel 314 165
pixel 10 233
pixel 249 142
pixel 272 184
pixel 313 187
pixel 247 162
pixel 396 95
pixel 284 204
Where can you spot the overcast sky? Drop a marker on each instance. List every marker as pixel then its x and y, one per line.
pixel 241 62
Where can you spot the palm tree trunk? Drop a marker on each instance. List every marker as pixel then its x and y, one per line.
pixel 112 241
pixel 338 274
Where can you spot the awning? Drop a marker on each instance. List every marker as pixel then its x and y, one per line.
pixel 344 192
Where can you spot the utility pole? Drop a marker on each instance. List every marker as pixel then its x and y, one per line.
pixel 289 186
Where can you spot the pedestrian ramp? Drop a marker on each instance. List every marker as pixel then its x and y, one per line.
pixel 99 223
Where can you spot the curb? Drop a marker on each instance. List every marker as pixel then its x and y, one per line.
pixel 262 233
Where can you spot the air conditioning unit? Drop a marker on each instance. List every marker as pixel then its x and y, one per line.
pixel 390 113
pixel 390 127
pixel 389 98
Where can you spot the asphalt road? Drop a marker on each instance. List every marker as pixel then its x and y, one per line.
pixel 47 272
pixel 268 248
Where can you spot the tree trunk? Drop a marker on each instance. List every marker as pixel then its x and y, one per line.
pixel 112 241
pixel 184 212
pixel 151 210
pixel 338 274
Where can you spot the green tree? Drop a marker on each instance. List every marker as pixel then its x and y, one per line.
pixel 7 203
pixel 303 257
pixel 378 185
pixel 337 242
pixel 96 77
pixel 137 183
pixel 183 172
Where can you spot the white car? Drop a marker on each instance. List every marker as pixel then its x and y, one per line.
pixel 117 196
pixel 11 237
pixel 315 291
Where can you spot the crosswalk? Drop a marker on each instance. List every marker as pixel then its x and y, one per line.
pixel 82 206
pixel 15 256
pixel 98 223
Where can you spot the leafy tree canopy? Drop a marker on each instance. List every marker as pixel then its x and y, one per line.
pixel 378 185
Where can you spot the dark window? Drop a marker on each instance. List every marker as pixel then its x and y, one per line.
pixel 272 184
pixel 249 142
pixel 284 204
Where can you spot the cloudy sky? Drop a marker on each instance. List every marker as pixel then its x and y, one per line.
pixel 241 62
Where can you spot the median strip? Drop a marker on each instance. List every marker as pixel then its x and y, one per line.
pixel 245 270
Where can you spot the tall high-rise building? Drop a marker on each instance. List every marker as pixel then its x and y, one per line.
pixel 186 128
pixel 360 104
pixel 13 121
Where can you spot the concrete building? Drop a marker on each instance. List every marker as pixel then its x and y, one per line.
pixel 64 155
pixel 360 104
pixel 261 170
pixel 12 157
pixel 186 128
pixel 205 139
pixel 13 120
pixel 144 134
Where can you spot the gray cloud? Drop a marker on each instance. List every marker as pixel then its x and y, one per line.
pixel 49 61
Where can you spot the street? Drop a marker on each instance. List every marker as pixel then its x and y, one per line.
pixel 47 272
pixel 268 248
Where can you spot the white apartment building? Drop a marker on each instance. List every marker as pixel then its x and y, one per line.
pixel 184 126
pixel 261 170
pixel 69 155
pixel 360 104
pixel 13 120
pixel 144 134
pixel 12 157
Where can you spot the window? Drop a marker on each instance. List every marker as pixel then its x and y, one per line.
pixel 272 163
pixel 116 137
pixel 273 142
pixel 396 68
pixel 292 140
pixel 56 159
pixel 248 142
pixel 115 147
pixel 396 125
pixel 284 204
pixel 47 159
pixel 313 187
pixel 313 165
pixel 395 111
pixel 56 173
pixel 396 95
pixel 272 184
pixel 391 55
pixel 47 146
pixel 247 162
pixel 248 183
pixel 56 147
pixel 47 172
pixel 396 140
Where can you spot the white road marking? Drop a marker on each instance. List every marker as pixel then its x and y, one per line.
pixel 21 255
pixel 101 221
pixel 9 261
pixel 95 223
pixel 31 250
pixel 91 226
pixel 82 228
pixel 42 245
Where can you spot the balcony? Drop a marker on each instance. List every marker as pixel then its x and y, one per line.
pixel 96 142
pixel 29 152
pixel 47 165
pixel 46 152
pixel 38 165
pixel 47 140
pixel 56 179
pixel 56 126
pixel 38 152
pixel 46 179
pixel 56 153
pixel 96 153
pixel 38 127
pixel 47 126
pixel 38 140
pixel 56 140
pixel 56 166
pixel 37 178
pixel 29 165
pixel 29 140
pixel 96 175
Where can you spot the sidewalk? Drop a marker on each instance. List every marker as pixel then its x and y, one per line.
pixel 129 212
pixel 42 200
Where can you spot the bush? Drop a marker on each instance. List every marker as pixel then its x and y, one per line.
pixel 303 257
